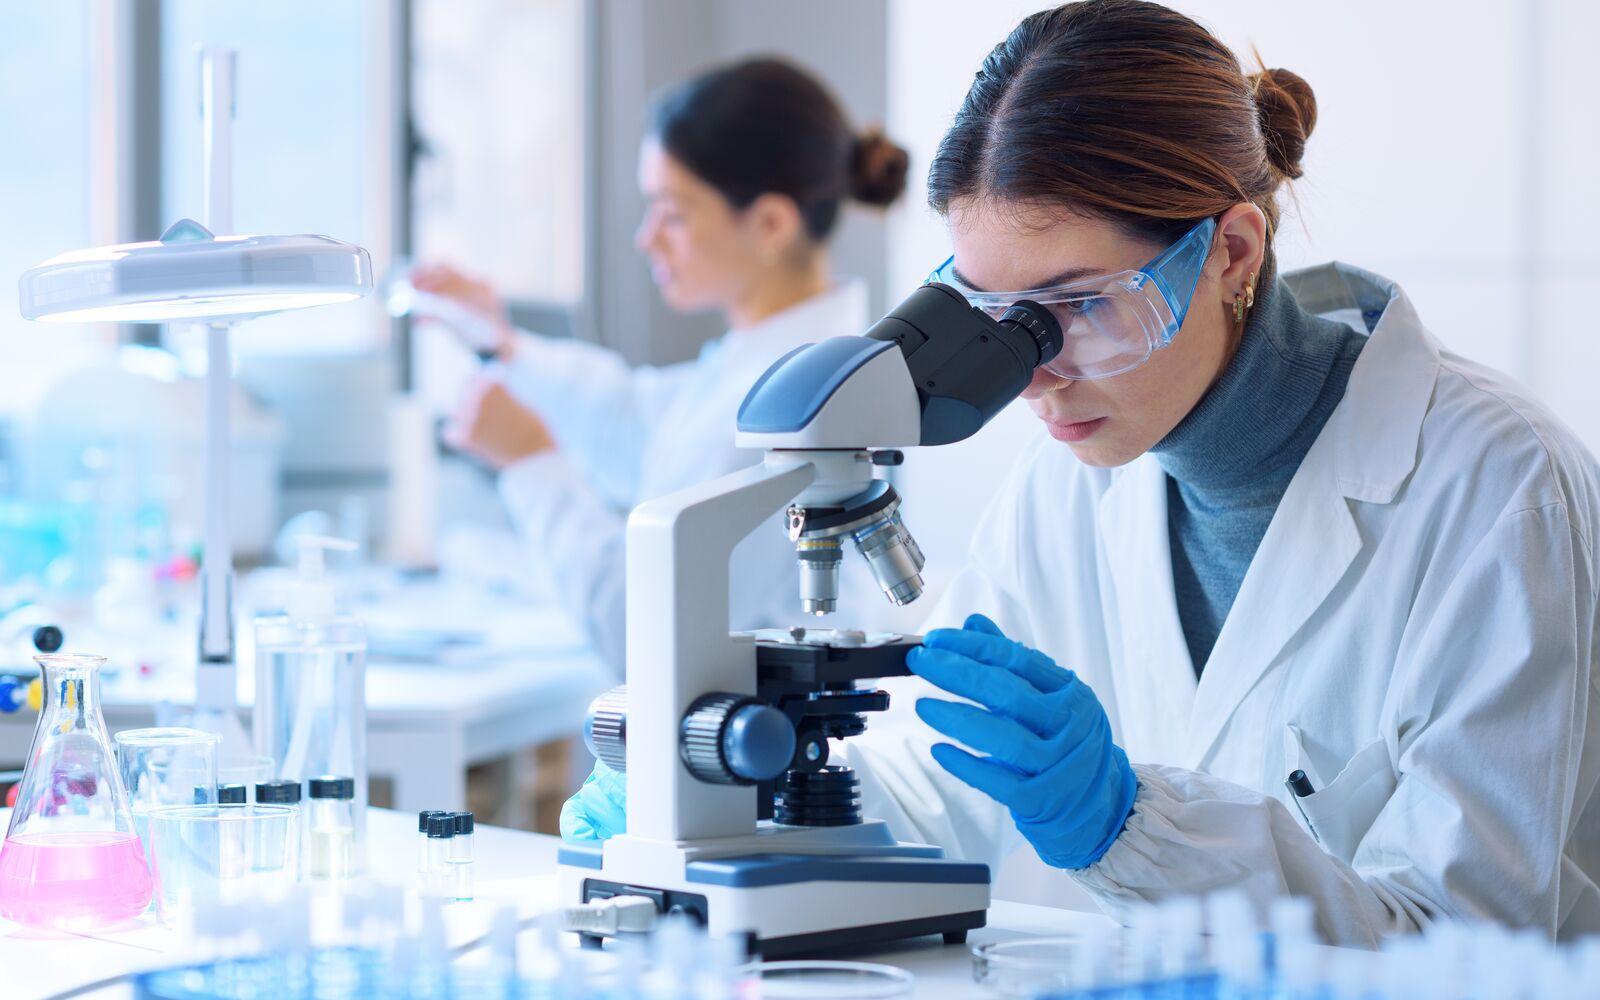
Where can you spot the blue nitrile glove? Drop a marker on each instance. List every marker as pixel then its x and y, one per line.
pixel 600 809
pixel 1051 760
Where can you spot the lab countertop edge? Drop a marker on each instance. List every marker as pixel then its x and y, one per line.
pixel 511 866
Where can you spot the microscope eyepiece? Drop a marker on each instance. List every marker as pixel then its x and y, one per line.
pixel 966 365
pixel 1041 326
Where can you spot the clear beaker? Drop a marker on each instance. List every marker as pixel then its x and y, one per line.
pixel 71 859
pixel 221 852
pixel 166 767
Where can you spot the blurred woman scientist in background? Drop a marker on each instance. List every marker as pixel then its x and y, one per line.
pixel 745 169
pixel 1288 532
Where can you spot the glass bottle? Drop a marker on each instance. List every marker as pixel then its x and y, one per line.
pixel 310 713
pixel 72 860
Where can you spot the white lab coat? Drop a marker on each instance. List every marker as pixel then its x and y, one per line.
pixel 630 434
pixel 1416 632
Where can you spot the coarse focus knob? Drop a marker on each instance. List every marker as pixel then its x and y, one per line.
pixel 733 739
pixel 606 729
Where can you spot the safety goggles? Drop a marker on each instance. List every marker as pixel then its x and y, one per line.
pixel 1111 323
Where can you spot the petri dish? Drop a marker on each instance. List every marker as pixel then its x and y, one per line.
pixel 1029 967
pixel 830 980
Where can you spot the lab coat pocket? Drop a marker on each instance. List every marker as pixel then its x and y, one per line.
pixel 1341 812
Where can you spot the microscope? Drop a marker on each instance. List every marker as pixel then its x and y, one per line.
pixel 735 817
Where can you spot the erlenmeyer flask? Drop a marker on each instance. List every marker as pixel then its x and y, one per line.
pixel 71 859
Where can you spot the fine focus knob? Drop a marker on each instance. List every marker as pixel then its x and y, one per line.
pixel 606 729
pixel 733 739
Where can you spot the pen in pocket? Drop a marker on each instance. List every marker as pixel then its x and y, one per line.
pixel 1299 786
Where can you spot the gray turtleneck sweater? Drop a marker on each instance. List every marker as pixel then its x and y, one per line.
pixel 1230 460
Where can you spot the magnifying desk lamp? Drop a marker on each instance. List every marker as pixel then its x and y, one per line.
pixel 192 275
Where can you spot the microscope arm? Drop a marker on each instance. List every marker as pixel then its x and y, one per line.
pixel 679 547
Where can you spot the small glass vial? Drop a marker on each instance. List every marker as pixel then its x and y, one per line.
pixel 422 841
pixel 332 827
pixel 460 853
pixel 233 856
pixel 270 851
pixel 441 832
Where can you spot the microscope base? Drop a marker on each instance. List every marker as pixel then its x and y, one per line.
pixel 793 904
pixel 953 928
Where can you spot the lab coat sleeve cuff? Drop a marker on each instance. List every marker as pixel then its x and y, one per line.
pixel 1136 860
pixel 1191 834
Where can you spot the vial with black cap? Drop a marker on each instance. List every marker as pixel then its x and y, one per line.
pixel 231 848
pixel 332 827
pixel 422 838
pixel 460 854
pixel 271 851
pixel 441 831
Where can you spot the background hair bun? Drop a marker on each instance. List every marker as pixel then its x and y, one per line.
pixel 1288 112
pixel 877 169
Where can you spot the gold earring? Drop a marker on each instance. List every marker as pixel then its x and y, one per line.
pixel 1245 301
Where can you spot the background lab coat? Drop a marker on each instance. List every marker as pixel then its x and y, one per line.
pixel 630 434
pixel 1416 631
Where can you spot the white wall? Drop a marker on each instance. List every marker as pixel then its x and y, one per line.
pixel 1455 152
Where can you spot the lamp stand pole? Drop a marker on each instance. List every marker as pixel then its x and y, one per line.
pixel 216 680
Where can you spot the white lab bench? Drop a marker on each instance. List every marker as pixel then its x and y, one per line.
pixel 530 682
pixel 511 866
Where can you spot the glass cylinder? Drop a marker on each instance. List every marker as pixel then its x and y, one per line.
pixel 72 859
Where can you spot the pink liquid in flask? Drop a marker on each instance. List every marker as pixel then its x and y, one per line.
pixel 73 881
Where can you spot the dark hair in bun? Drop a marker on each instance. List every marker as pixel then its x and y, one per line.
pixel 766 126
pixel 877 169
pixel 1288 112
